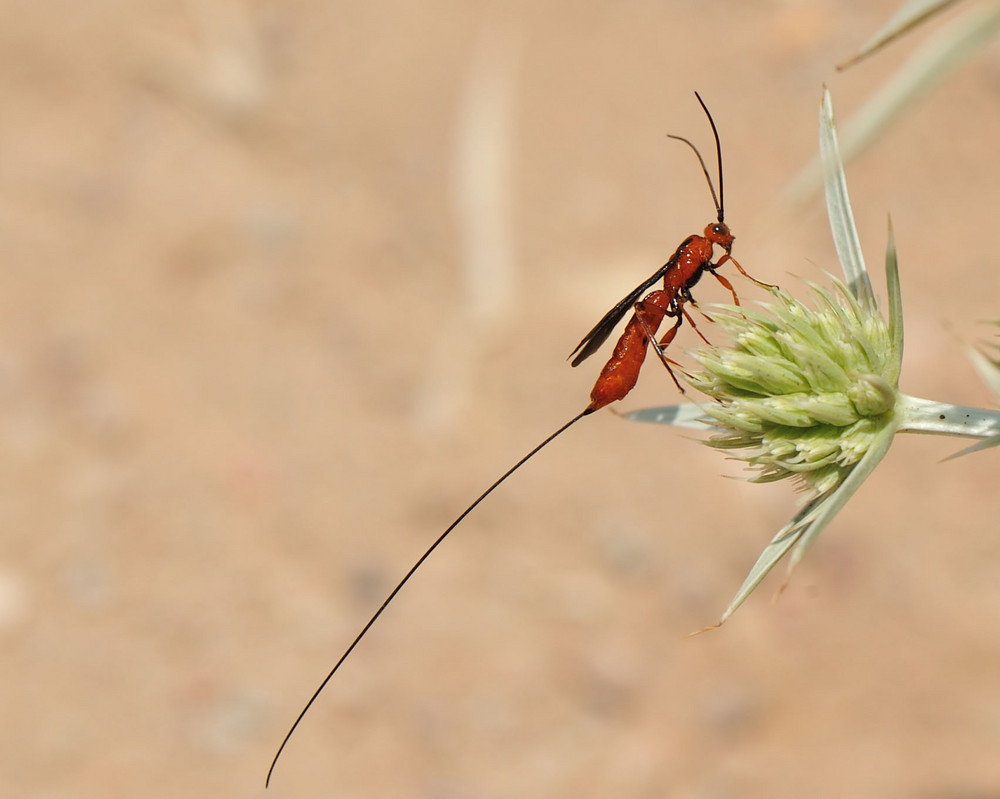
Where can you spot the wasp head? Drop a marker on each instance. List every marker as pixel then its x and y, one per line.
pixel 718 233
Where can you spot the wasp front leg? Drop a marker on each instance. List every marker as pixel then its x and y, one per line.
pixel 723 280
pixel 742 271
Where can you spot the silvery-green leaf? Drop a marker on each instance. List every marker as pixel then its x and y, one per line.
pixel 838 204
pixel 688 415
pixel 933 62
pixel 944 419
pixel 895 306
pixel 908 16
pixel 806 525
pixel 987 369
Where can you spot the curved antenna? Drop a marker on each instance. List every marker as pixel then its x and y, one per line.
pixel 406 578
pixel 718 199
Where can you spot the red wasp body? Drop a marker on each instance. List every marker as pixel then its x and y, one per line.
pixel 679 274
pixel 684 269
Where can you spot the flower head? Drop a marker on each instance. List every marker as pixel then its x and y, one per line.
pixel 802 392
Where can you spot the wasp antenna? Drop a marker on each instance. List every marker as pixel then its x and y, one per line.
pixel 719 206
pixel 704 169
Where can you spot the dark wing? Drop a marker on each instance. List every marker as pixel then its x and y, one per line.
pixel 596 337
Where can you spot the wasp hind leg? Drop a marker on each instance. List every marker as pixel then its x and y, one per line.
pixel 664 342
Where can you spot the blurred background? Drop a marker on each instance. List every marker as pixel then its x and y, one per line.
pixel 286 286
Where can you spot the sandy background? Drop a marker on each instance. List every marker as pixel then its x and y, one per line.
pixel 286 285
